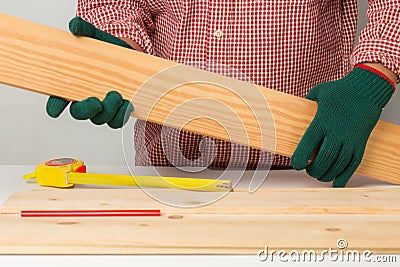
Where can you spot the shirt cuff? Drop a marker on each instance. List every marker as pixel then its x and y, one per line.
pixel 378 51
pixel 133 32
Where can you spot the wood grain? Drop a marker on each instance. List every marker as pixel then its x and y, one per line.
pixel 264 201
pixel 53 62
pixel 197 234
pixel 240 223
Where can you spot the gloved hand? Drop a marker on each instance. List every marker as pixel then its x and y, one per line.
pixel 348 110
pixel 113 108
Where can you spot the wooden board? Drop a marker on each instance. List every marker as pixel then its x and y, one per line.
pixel 197 234
pixel 264 201
pixel 300 219
pixel 53 62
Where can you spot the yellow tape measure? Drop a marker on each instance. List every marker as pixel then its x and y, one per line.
pixel 65 172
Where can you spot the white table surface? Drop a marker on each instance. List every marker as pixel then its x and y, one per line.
pixel 11 181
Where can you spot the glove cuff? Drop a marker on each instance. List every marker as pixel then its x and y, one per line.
pixel 378 73
pixel 376 88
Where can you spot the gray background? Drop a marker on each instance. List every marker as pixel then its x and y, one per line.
pixel 29 136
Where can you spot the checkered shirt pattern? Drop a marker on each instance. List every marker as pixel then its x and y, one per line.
pixel 286 45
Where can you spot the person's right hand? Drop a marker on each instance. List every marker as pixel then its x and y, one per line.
pixel 113 108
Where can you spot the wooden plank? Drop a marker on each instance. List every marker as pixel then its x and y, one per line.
pixel 264 201
pixel 197 234
pixel 240 223
pixel 53 62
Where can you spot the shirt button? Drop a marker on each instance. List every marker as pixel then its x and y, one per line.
pixel 218 33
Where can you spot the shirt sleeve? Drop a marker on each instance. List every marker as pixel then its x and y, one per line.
pixel 121 18
pixel 380 40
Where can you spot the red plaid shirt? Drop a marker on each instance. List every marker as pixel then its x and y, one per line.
pixel 286 45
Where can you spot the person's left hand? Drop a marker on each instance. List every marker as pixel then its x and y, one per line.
pixel 348 110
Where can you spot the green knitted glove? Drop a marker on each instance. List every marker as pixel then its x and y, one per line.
pixel 348 110
pixel 113 108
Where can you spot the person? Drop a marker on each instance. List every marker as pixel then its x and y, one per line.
pixel 301 47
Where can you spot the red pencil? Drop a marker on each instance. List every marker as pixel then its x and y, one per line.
pixel 88 213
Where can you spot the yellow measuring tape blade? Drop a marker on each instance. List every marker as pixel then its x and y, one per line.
pixel 199 184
